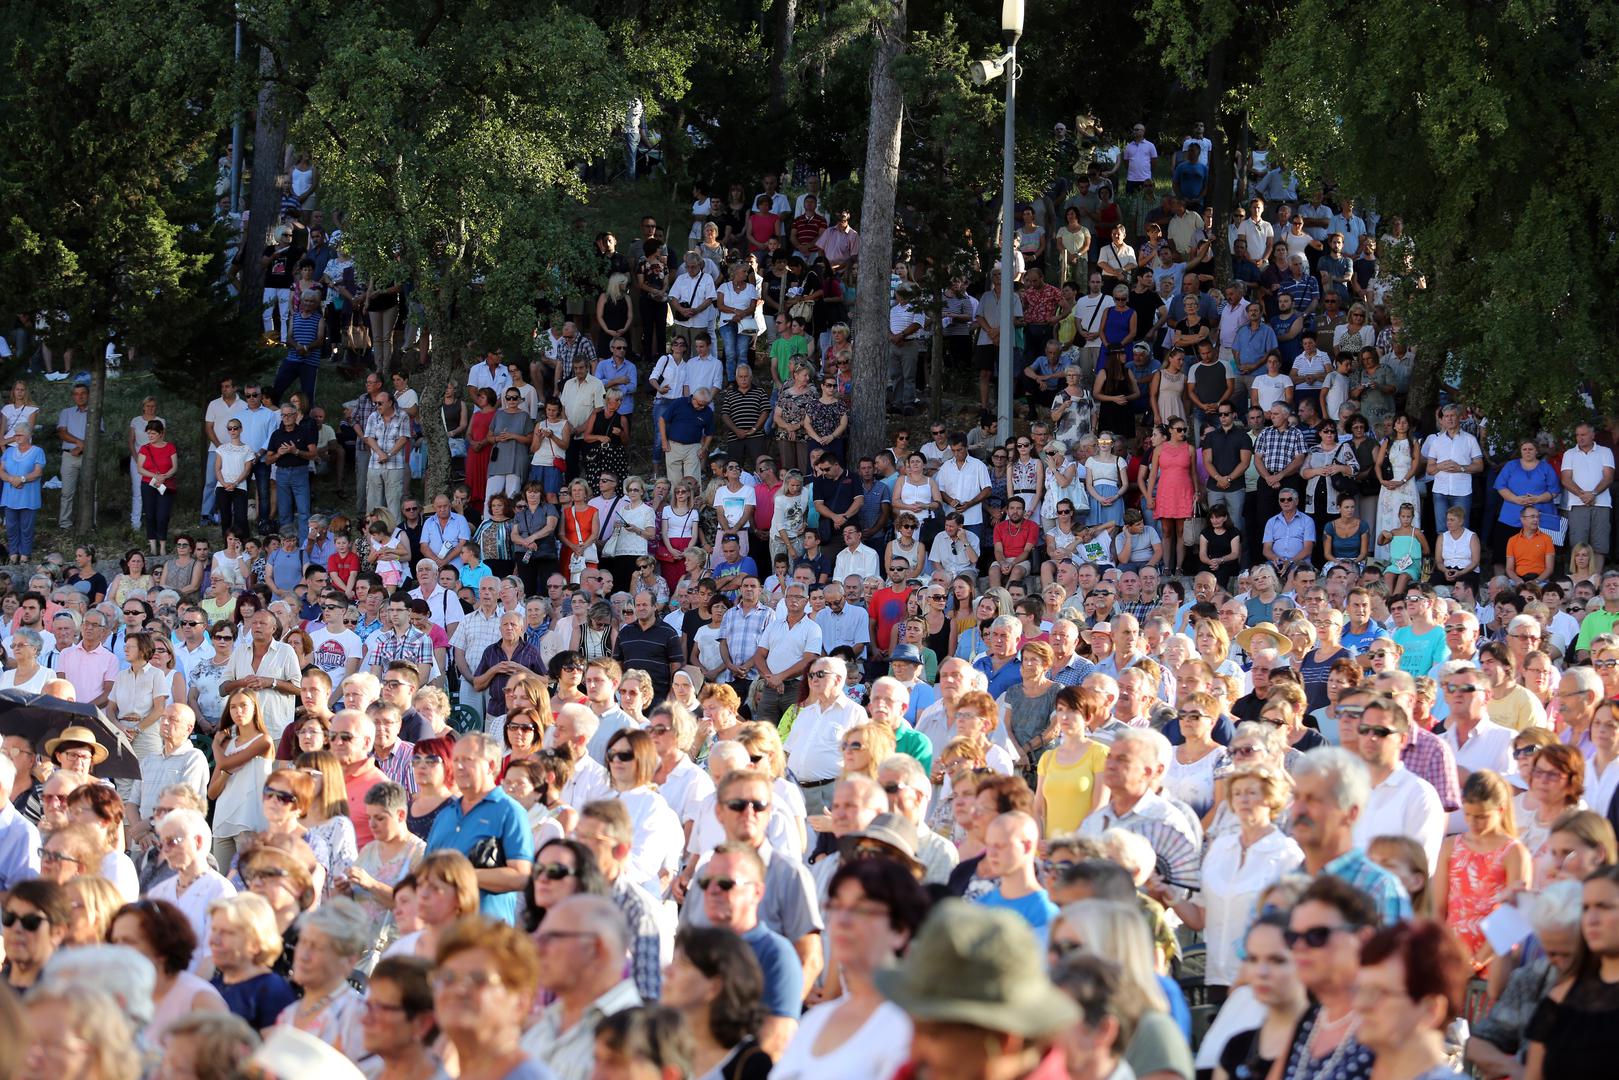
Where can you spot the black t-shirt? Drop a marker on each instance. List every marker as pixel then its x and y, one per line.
pixel 300 438
pixel 283 261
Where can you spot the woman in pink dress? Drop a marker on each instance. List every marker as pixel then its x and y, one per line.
pixel 1171 490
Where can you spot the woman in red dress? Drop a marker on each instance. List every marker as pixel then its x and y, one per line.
pixel 1170 492
pixel 479 447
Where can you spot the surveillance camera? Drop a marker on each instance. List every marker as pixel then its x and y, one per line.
pixel 982 71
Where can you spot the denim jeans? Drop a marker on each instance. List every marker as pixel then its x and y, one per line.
pixel 261 482
pixel 210 485
pixel 734 346
pixel 292 491
pixel 1443 503
pixel 303 372
pixel 20 531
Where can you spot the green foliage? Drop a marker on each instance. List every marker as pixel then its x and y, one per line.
pixel 1474 122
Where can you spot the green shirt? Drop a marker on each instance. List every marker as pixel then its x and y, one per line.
pixel 782 351
pixel 1599 622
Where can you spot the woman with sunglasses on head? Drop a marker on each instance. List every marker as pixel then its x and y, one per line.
pixel 632 764
pixel 243 755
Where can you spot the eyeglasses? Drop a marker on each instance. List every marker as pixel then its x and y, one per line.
pixel 46 855
pixel 1463 688
pixel 1316 936
pixel 29 923
pixel 1548 775
pixel 426 759
pixel 1375 731
pixel 478 980
pixel 554 871
pixel 737 806
pixel 1247 751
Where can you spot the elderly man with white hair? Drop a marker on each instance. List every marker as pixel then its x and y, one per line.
pixel 1135 767
pixel 814 746
pixel 184 838
pixel 1000 666
pixel 1331 787
pixel 1129 648
pixel 573 726
pixel 118 970
pixel 909 792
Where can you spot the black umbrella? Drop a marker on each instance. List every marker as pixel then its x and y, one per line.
pixel 39 719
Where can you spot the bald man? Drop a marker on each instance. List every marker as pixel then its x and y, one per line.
pixel 178 762
pixel 60 689
pixel 353 737
pixel 1010 848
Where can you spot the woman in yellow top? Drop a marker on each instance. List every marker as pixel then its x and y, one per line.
pixel 1070 776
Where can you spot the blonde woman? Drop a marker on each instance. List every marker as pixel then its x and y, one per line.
pixel 1116 931
pixel 245 942
pixel 1239 865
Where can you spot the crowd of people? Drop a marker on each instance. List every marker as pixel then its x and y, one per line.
pixel 1219 723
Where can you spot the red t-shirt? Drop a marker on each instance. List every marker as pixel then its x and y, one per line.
pixel 342 568
pixel 1015 540
pixel 888 608
pixel 158 459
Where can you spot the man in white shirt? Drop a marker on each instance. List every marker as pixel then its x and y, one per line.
pixel 786 649
pixel 905 336
pixel 490 374
pixel 964 485
pixel 1401 802
pixel 1257 231
pixel 855 558
pixel 443 606
pixel 195 645
pixel 692 297
pixel 574 726
pixel 581 395
pixel 1089 311
pixel 1477 741
pixel 1138 155
pixel 1587 477
pixel 1451 457
pixel 954 550
pixel 815 745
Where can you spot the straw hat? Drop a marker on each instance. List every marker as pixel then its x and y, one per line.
pixel 1279 641
pixel 77 733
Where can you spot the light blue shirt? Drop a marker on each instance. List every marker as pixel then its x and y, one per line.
pixel 1287 538
pixel 257 424
pixel 606 369
pixel 19 847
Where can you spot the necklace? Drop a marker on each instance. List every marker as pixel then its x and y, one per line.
pixel 1301 1065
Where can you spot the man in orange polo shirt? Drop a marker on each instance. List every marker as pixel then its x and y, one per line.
pixel 1530 553
pixel 353 736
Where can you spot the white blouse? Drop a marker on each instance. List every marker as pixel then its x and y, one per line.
pixel 1232 882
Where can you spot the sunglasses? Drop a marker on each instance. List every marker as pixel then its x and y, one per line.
pixel 342 736
pixel 737 806
pixel 285 798
pixel 426 759
pixel 1375 731
pixel 554 871
pixel 224 637
pixel 622 756
pixel 854 745
pixel 29 923
pixel 725 884
pixel 1316 937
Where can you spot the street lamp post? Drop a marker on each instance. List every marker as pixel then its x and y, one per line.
pixel 1011 30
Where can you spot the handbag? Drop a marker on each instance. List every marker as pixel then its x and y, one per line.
pixel 356 337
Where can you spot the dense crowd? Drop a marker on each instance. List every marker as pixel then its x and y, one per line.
pixel 1226 721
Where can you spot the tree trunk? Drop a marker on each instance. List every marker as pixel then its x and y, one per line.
pixel 784 16
pixel 443 366
pixel 264 201
pixel 1221 177
pixel 936 366
pixel 84 512
pixel 880 177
